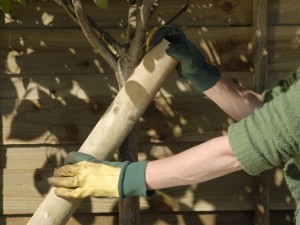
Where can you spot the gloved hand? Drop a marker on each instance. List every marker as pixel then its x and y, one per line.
pixel 192 62
pixel 91 177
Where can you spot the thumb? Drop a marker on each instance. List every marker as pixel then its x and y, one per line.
pixel 75 157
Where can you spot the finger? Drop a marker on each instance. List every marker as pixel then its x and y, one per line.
pixel 75 157
pixel 168 33
pixel 69 193
pixel 66 171
pixel 177 51
pixel 67 182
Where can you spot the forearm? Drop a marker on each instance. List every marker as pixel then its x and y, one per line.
pixel 203 162
pixel 233 99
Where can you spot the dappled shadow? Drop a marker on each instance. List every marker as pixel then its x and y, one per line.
pixel 55 88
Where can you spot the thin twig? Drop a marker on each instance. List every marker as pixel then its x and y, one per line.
pixel 132 12
pixel 68 8
pixel 153 9
pixel 136 47
pixel 104 35
pixel 184 8
pixel 89 33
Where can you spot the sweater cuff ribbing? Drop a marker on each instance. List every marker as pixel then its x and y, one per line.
pixel 245 151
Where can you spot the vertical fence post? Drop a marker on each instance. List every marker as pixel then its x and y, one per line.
pixel 260 68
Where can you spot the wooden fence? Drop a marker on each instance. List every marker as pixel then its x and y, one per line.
pixel 54 88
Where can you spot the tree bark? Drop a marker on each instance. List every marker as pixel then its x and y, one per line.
pixel 129 208
pixel 114 126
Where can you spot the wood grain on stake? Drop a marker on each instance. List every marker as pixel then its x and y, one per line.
pixel 113 127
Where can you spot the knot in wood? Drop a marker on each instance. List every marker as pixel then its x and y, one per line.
pixel 85 63
pixel 116 109
pixel 95 107
pixel 72 131
pixel 226 46
pixel 227 6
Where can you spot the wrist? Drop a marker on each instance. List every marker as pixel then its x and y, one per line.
pixel 132 181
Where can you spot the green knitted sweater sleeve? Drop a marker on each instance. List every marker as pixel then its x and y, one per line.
pixel 271 135
pixel 282 86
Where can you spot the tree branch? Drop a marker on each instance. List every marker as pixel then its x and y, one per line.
pixel 104 35
pixel 136 48
pixel 132 11
pixel 97 43
pixel 153 9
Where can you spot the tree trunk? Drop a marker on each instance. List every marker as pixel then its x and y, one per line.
pixel 114 126
pixel 129 208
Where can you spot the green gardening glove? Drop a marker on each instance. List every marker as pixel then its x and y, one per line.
pixel 192 62
pixel 87 176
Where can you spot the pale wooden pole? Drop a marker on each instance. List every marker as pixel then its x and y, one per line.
pixel 113 127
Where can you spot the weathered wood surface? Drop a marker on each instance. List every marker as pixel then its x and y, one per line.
pixel 50 77
pixel 53 52
pixel 180 218
pixel 88 87
pixel 24 189
pixel 200 13
pixel 24 184
pixel 192 119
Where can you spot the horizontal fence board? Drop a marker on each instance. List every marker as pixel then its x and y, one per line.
pixel 181 218
pixel 23 183
pixel 51 121
pixel 53 52
pixel 52 156
pixel 89 86
pixel 93 86
pixel 200 13
pixel 23 191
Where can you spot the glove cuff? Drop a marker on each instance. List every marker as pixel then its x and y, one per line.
pixel 132 180
pixel 205 78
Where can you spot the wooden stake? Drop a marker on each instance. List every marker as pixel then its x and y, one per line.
pixel 113 127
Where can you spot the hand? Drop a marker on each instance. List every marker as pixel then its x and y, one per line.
pixel 91 177
pixel 192 62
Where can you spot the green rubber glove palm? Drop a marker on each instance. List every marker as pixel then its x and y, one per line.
pixel 192 62
pixel 86 176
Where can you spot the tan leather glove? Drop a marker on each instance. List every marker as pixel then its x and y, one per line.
pixel 85 179
pixel 91 177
